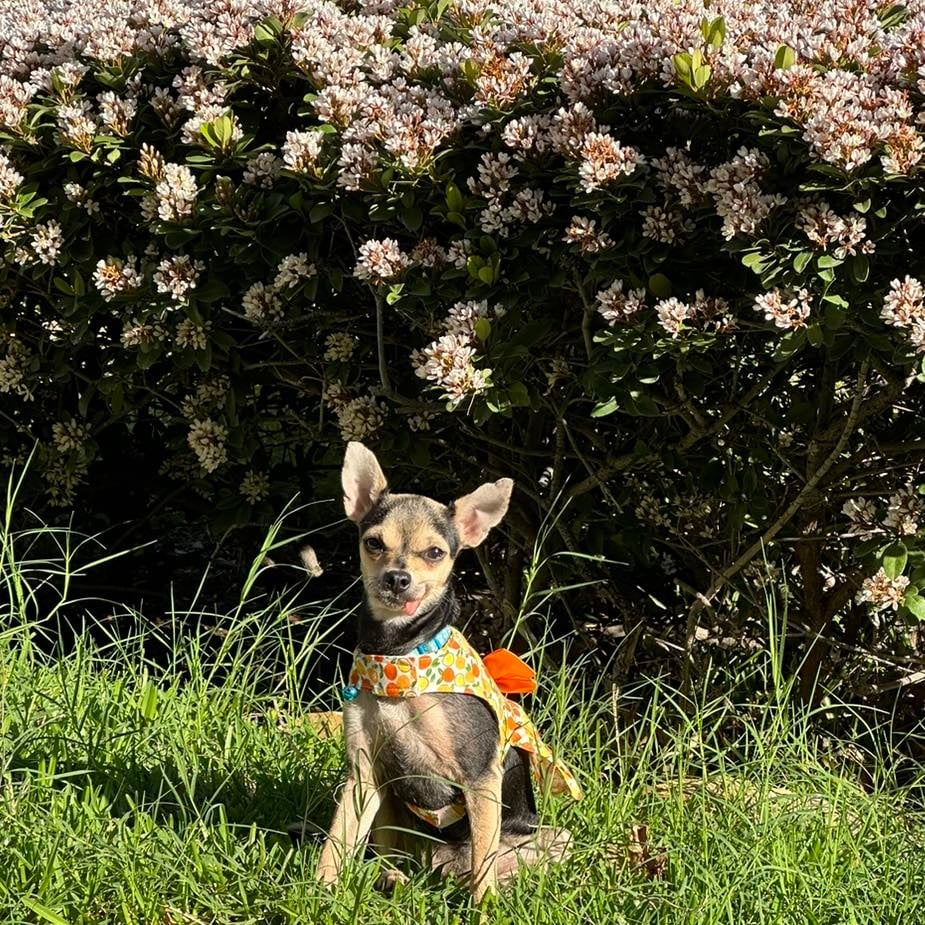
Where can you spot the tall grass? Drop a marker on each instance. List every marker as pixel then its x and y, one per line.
pixel 150 778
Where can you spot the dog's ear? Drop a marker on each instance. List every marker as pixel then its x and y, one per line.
pixel 475 514
pixel 362 480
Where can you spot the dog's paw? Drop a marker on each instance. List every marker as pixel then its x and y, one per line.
pixel 389 878
pixel 327 874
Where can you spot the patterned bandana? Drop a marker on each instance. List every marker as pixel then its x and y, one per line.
pixel 456 668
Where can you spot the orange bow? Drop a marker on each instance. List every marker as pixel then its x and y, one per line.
pixel 511 674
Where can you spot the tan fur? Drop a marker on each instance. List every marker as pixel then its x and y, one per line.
pixel 405 540
pixel 418 727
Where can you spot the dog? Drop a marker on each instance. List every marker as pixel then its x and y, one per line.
pixel 423 754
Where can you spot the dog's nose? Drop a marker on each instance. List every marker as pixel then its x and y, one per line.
pixel 397 581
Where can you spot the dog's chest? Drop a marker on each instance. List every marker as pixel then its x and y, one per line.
pixel 408 735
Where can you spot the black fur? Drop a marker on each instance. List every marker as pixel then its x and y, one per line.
pixel 476 736
pixel 414 507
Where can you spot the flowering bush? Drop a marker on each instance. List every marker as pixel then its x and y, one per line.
pixel 656 259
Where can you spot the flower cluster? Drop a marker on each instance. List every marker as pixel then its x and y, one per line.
pixel 206 439
pixel 789 314
pixel 824 227
pixel 176 276
pixel 255 486
pixel 449 361
pixel 904 307
pixel 265 304
pixel 883 592
pixel 114 276
pixel 176 194
pixel 617 306
pixel 68 436
pixel 381 261
pixel 740 201
pixel 360 418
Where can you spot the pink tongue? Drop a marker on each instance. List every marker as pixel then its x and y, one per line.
pixel 410 606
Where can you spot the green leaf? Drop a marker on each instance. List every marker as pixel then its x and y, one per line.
pixel 785 57
pixel 456 218
pixel 43 912
pixel 473 265
pixel 320 211
pixel 454 198
pixel 801 259
pixel 482 329
pixel 518 394
pixel 263 35
pixel 789 344
pixel 754 260
pixel 713 32
pixel 602 409
pixel 894 559
pixel 487 275
pixel 826 262
pixel 660 285
pixel 412 218
pixel 915 603
pixel 683 67
pixel 814 334
pixel 147 704
pixel 860 268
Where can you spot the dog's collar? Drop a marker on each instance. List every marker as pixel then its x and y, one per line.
pixel 434 644
pixel 439 640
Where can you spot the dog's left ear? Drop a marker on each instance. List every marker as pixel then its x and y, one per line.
pixel 476 513
pixel 362 480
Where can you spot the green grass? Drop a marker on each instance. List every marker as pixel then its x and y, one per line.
pixel 132 791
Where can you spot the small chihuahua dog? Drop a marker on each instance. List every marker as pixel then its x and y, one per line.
pixel 431 752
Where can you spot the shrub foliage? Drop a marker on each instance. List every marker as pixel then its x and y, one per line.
pixel 660 262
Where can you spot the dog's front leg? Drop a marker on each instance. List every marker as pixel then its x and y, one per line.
pixel 483 805
pixel 353 818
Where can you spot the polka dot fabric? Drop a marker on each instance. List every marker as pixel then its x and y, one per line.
pixel 458 669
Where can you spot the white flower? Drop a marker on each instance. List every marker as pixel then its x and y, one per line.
pixel 292 270
pixel 360 418
pixel 69 435
pixel 583 232
pixel 47 241
pixel 860 511
pixel 262 304
pixel 604 159
pixel 177 276
pixel 381 261
pixel 207 440
pixel 883 592
pixel 10 178
pixel 114 276
pixel 262 170
pixel 14 369
pixel 904 510
pixel 193 335
pixel 176 193
pixel 301 151
pixel 615 305
pixel 672 314
pixel 254 486
pixel 117 112
pixel 789 315
pixel 339 346
pixel 740 201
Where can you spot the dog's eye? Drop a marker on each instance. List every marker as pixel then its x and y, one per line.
pixel 434 554
pixel 373 544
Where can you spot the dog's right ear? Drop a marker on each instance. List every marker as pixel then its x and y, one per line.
pixel 362 480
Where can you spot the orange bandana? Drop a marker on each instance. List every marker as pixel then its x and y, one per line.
pixel 456 668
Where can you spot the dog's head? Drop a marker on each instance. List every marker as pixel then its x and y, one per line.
pixel 408 543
